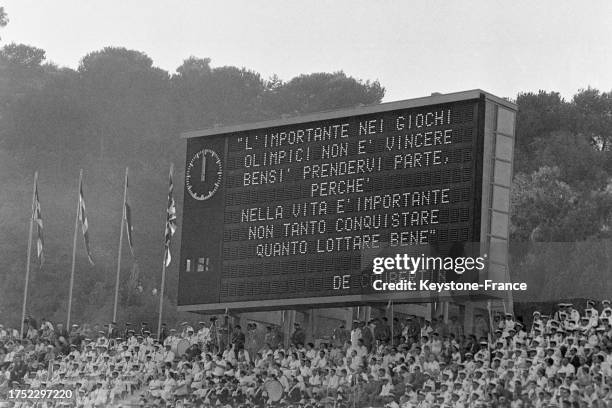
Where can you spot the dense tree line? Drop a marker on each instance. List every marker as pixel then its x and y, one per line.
pixel 117 109
pixel 562 196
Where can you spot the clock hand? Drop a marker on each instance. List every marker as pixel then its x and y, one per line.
pixel 203 175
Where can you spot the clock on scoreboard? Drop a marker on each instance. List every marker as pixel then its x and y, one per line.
pixel 203 174
pixel 292 211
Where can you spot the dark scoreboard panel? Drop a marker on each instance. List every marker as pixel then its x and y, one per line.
pixel 297 210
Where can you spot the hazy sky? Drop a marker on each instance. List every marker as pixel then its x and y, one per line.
pixel 413 48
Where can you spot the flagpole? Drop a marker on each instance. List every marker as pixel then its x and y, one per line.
pixel 120 246
pixel 161 295
pixel 227 320
pixel 74 244
pixel 163 281
pixel 27 277
pixel 392 338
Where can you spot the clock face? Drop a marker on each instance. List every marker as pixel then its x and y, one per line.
pixel 203 175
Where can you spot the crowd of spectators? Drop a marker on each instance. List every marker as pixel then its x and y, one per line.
pixel 562 360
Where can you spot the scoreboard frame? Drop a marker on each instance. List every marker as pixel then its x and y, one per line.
pixel 496 128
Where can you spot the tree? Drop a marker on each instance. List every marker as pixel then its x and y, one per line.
pixel 126 98
pixel 194 67
pixel 538 201
pixel 593 117
pixel 3 18
pixel 322 91
pixel 538 115
pixel 21 70
pixel 22 75
pixel 580 164
pixel 23 56
pixel 51 116
pixel 205 96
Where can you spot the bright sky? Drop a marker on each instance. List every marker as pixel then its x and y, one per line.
pixel 413 48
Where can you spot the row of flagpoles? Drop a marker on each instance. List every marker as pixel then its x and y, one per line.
pixel 81 218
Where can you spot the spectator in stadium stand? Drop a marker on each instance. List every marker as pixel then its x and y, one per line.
pixel 46 328
pixel 238 339
pixel 299 336
pixel 411 330
pixel 18 370
pixel 32 322
pixel 163 332
pixel 550 364
pixel 367 334
pixel 203 334
pixel 270 338
pixel 426 328
pixel 397 331
pixel 382 330
pixel 252 339
pixel 355 331
pixel 75 335
pixel 113 331
pixel 340 336
pixel 60 331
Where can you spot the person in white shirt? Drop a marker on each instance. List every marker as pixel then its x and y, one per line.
pixel 100 395
pixel 436 343
pixel 155 386
pixel 172 339
pixel 203 334
pixel 333 381
pixel 361 349
pixel 431 366
pixel 168 355
pixel 320 361
pixel 354 361
pixel 147 339
pixel 355 333
pixel 315 383
pixel 426 330
pixel 168 386
pixel 311 353
pixel 386 392
pixel 219 366
pixel 306 370
pixel 566 368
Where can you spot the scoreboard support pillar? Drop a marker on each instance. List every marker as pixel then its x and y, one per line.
pixel 287 327
pixel 311 325
pixel 468 320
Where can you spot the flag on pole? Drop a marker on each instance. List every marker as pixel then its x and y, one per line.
pixel 128 218
pixel 37 216
pixel 170 221
pixel 84 223
pixel 389 304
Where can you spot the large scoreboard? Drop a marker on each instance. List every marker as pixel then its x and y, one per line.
pixel 290 212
